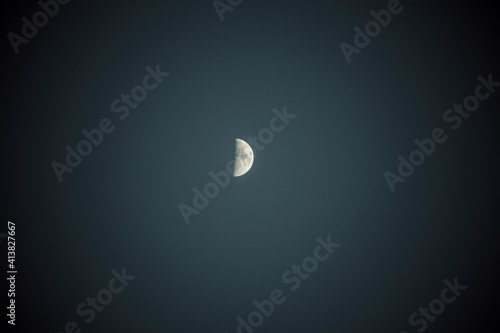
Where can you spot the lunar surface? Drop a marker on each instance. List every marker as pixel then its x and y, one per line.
pixel 243 158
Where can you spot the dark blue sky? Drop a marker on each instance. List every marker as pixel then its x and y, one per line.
pixel 322 175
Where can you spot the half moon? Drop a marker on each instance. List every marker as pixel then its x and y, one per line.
pixel 243 158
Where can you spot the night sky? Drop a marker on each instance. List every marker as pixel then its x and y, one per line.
pixel 371 205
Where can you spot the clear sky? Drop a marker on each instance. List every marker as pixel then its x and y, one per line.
pixel 321 175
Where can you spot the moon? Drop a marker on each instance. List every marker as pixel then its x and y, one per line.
pixel 243 158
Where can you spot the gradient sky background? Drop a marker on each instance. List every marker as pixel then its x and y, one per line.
pixel 322 175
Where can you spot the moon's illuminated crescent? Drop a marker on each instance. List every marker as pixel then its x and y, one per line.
pixel 243 158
